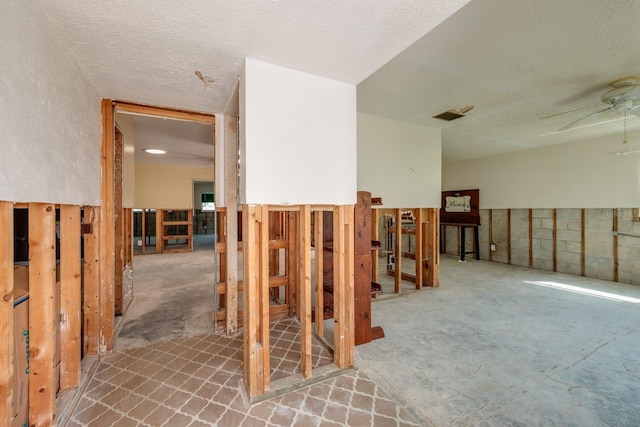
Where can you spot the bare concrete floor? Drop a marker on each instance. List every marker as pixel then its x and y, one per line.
pixel 499 345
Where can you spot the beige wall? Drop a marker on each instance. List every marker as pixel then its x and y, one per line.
pixel 128 129
pixel 399 161
pixel 167 187
pixel 583 174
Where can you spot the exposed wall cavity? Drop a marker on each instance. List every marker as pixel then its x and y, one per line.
pixel 49 116
pixel 601 243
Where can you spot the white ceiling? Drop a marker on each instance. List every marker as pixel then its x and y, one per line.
pixel 515 61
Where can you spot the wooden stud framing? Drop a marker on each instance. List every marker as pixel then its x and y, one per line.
pixel 119 226
pixel 615 245
pixel 375 235
pixel 398 252
pixel 555 240
pixel 343 290
pixel 304 283
pixel 70 296
pixel 231 223
pixel 319 288
pixel 582 242
pixel 42 321
pixel 6 313
pixel 107 230
pixel 292 263
pixel 432 251
pixel 418 213
pixel 490 242
pixel 255 235
pixel 508 236
pixel 530 238
pixel 159 232
pixel 91 284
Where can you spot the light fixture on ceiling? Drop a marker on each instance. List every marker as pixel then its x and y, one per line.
pixel 454 114
pixel 154 151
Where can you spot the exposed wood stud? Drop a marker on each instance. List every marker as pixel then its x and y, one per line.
pixel 508 236
pixel 490 240
pixel 250 299
pixel 615 245
pixel 231 222
pixel 91 284
pixel 159 231
pixel 582 242
pixel 319 288
pixel 43 320
pixel 144 231
pixel 398 252
pixel 263 296
pixel 119 225
pixel 375 218
pixel 107 230
pixel 6 313
pixel 292 264
pixel 70 296
pixel 304 280
pixel 419 246
pixel 555 240
pixel 530 238
pixel 432 252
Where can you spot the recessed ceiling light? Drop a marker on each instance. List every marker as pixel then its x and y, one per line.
pixel 154 151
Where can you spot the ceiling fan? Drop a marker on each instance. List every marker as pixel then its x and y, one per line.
pixel 624 95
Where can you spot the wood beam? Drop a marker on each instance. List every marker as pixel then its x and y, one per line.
pixel 146 110
pixel 119 226
pixel 319 288
pixel 70 296
pixel 263 296
pixel 304 270
pixel 615 245
pixel 582 242
pixel 43 317
pixel 159 232
pixel 7 329
pixel 555 240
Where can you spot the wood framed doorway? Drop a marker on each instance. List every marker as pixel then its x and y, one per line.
pixel 115 220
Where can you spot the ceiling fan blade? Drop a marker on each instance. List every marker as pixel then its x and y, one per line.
pixel 635 110
pixel 575 122
pixel 564 112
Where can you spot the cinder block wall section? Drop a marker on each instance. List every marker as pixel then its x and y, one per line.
pixel 598 243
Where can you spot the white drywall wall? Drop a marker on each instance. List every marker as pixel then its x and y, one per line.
pixel 49 116
pixel 166 186
pixel 128 129
pixel 583 174
pixel 399 162
pixel 298 137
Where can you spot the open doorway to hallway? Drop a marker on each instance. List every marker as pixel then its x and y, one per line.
pixel 166 161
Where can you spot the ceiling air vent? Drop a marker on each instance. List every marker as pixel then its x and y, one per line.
pixel 452 114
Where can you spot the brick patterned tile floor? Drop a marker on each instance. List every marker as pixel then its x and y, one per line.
pixel 197 381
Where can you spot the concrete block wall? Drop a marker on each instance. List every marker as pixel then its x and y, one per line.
pixel 520 237
pixel 628 248
pixel 561 229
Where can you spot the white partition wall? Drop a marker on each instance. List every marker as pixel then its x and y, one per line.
pixel 583 174
pixel 399 162
pixel 297 137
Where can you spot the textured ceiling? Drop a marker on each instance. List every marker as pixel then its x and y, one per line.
pixel 147 51
pixel 516 61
